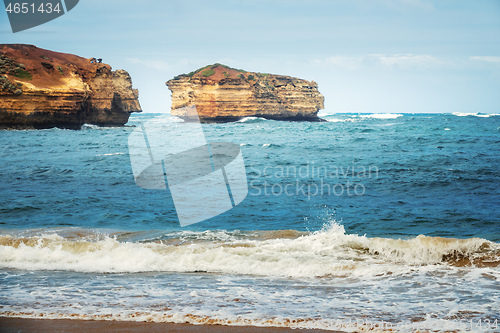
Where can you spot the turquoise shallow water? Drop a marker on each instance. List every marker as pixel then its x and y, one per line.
pixel 330 227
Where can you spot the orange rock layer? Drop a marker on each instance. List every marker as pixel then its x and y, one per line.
pixel 43 89
pixel 223 94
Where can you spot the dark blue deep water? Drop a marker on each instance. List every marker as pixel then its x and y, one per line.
pixel 381 176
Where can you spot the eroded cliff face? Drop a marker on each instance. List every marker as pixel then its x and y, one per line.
pixel 224 94
pixel 43 89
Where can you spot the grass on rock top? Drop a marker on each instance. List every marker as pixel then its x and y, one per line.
pixel 208 72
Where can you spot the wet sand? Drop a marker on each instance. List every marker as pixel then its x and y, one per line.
pixel 22 325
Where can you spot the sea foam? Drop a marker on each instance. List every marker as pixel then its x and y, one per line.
pixel 382 115
pixel 329 252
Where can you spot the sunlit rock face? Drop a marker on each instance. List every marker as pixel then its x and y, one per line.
pixel 43 89
pixel 223 94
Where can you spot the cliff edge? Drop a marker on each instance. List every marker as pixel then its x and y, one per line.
pixel 43 89
pixel 222 94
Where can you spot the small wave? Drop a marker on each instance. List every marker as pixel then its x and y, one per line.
pixel 251 120
pixel 165 118
pixel 97 127
pixel 382 116
pixel 272 145
pixel 326 114
pixel 464 114
pixel 488 115
pixel 90 126
pixel 337 120
pixel 475 114
pixel 49 171
pixel 329 252
pixel 111 154
pixel 19 209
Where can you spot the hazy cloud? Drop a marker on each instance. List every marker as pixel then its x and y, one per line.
pixel 490 59
pixel 394 61
pixel 404 61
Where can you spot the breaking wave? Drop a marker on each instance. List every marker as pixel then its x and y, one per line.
pixel 251 120
pixel 329 252
pixel 382 115
pixel 475 114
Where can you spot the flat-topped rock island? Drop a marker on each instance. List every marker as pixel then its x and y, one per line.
pixel 223 94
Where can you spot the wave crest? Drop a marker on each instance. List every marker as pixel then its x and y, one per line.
pixel 329 252
pixel 251 120
pixel 382 115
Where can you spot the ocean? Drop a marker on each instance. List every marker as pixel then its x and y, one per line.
pixel 364 221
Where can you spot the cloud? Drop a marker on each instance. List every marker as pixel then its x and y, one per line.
pixel 159 65
pixel 489 59
pixel 394 61
pixel 407 61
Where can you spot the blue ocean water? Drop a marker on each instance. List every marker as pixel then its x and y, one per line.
pixel 334 208
pixel 418 174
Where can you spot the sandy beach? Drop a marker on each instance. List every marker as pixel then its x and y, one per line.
pixel 18 325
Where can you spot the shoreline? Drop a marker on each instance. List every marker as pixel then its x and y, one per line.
pixel 32 325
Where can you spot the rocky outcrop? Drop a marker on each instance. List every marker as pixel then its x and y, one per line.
pixel 43 89
pixel 221 94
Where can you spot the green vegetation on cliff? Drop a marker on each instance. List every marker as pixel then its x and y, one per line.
pixel 22 74
pixel 208 70
pixel 6 85
pixel 11 67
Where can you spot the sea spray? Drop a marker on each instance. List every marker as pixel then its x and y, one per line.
pixel 328 252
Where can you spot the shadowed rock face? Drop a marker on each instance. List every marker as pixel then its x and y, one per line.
pixel 43 89
pixel 223 94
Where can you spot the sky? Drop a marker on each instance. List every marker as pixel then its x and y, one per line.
pixel 377 56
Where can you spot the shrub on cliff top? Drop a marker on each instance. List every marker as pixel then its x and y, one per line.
pixel 6 85
pixel 208 72
pixel 197 71
pixel 217 64
pixel 22 74
pixel 207 68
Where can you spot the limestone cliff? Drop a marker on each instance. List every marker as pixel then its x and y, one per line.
pixel 43 89
pixel 221 93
